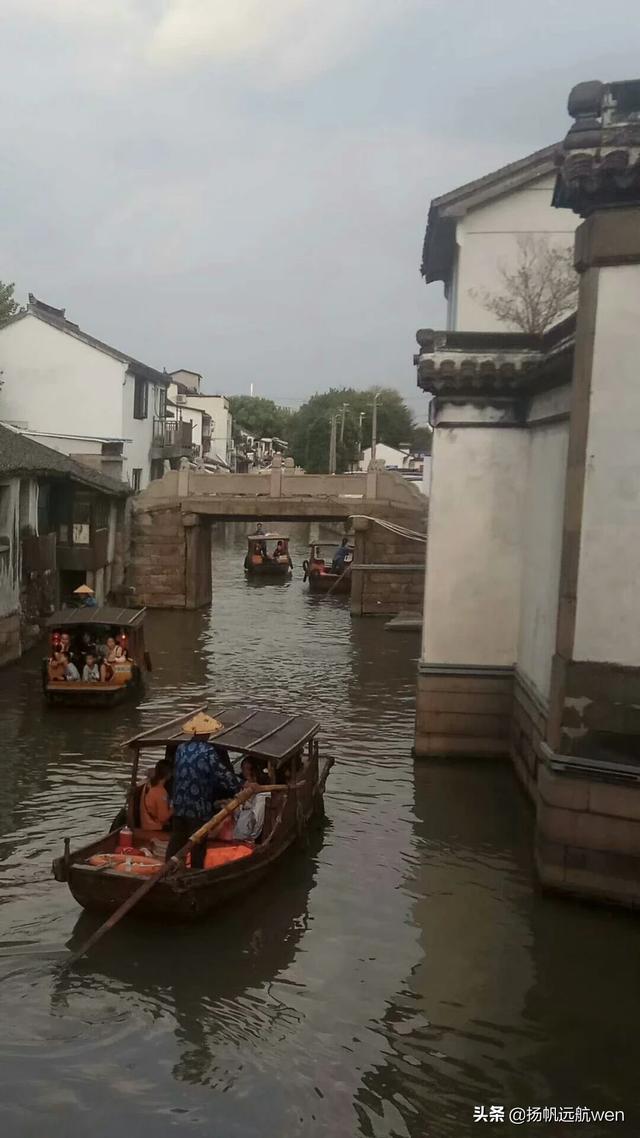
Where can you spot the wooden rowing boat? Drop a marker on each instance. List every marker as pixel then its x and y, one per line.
pixel 320 576
pixel 287 744
pixel 98 622
pixel 268 556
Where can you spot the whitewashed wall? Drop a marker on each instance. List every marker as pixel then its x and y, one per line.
pixel 474 554
pixel 608 608
pixel 543 510
pixel 487 237
pixel 53 382
pixel 139 431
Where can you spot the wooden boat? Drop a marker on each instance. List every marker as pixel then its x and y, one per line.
pixel 127 625
pixel 268 555
pixel 319 574
pixel 287 744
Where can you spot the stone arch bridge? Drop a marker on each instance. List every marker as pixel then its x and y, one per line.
pixel 170 565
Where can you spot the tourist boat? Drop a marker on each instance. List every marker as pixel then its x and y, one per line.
pixel 267 555
pixel 319 575
pixel 127 626
pixel 286 744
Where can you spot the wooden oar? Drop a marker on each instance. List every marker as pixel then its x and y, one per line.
pixel 336 583
pixel 209 828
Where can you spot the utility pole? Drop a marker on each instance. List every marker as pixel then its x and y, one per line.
pixel 332 444
pixel 344 408
pixel 374 426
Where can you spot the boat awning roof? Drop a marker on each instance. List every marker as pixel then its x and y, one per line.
pixel 103 614
pixel 248 729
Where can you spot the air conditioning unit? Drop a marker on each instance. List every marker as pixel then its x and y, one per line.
pixel 181 400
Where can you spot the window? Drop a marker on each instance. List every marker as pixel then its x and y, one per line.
pixel 140 398
pixel 160 399
pixel 136 478
pixel 81 518
pixel 5 528
pixel 157 469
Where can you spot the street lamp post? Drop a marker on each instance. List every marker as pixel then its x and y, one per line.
pixel 374 426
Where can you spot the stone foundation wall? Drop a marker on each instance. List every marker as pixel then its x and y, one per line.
pixel 385 592
pixel 170 563
pixel 588 836
pixel 158 558
pixel 10 643
pixel 463 712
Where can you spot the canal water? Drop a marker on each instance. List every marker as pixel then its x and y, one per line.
pixel 400 971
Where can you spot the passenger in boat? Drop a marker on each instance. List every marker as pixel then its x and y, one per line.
pixel 248 819
pixel 279 551
pixel 200 778
pixel 114 651
pixel 337 565
pixel 106 672
pixel 155 807
pixel 91 670
pixel 70 670
pixel 56 666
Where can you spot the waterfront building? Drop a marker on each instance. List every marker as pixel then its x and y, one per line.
pixel 71 391
pixel 531 622
pixel 474 233
pixel 62 524
pixel 211 419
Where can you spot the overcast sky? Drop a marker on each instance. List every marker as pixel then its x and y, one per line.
pixel 241 187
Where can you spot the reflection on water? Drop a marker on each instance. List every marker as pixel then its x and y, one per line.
pixel 397 971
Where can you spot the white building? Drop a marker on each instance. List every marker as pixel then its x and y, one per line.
pixel 531 617
pixel 209 415
pixel 82 397
pixel 473 232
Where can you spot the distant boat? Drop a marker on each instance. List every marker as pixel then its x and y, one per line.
pixel 321 577
pixel 126 626
pixel 268 555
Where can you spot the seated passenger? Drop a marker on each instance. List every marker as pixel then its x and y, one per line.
pixel 114 651
pixel 91 671
pixel 279 551
pixel 249 818
pixel 155 808
pixel 106 672
pixel 56 666
pixel 70 670
pixel 122 668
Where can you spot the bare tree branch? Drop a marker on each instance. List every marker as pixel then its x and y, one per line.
pixel 538 291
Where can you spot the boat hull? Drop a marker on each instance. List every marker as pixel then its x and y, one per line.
pixel 268 570
pixel 76 694
pixel 330 582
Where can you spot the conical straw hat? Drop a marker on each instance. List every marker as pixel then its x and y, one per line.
pixel 83 590
pixel 202 724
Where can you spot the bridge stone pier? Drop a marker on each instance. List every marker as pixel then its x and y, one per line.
pixel 171 537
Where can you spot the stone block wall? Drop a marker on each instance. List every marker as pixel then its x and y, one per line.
pixel 459 713
pixel 588 836
pixel 10 642
pixel 385 592
pixel 158 558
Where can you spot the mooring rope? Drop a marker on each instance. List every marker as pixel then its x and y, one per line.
pixel 401 531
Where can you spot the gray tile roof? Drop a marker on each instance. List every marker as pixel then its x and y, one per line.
pixel 56 318
pixel 20 456
pixel 439 241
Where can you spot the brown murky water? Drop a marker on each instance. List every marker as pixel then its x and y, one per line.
pixel 399 971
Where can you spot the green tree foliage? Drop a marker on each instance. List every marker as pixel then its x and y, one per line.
pixel 260 417
pixel 310 428
pixel 8 305
pixel 421 440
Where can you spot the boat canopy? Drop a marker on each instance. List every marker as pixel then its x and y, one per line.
pixel 250 730
pixel 105 614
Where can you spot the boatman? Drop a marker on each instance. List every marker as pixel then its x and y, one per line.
pixel 337 565
pixel 200 778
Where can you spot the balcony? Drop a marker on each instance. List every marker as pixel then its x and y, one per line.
pixel 172 438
